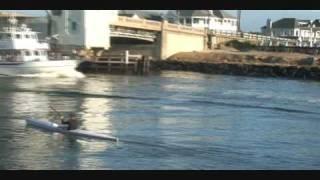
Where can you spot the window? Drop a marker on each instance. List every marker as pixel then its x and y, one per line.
pixel 181 21
pixel 196 20
pixel 297 33
pixel 188 20
pixel 208 21
pixel 36 53
pixel 27 53
pixel 74 26
pixel 9 36
pixel 27 36
pixel 18 36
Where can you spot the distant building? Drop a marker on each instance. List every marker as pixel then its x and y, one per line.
pixel 306 32
pixel 83 28
pixel 217 20
pixel 142 14
pixel 40 25
pixel 22 18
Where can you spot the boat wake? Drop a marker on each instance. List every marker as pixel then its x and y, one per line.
pixel 67 74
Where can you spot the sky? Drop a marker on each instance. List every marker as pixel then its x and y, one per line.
pixel 251 20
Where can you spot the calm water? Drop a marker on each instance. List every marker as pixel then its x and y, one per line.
pixel 175 120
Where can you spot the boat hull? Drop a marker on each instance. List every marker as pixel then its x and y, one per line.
pixel 35 67
pixel 78 132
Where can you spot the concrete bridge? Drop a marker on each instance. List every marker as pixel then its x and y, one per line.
pixel 167 39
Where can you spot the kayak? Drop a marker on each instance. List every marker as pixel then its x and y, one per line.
pixel 50 126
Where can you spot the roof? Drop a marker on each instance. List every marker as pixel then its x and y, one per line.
pixel 316 23
pixel 194 13
pixel 295 23
pixel 285 23
pixel 143 14
pixel 211 13
pixel 222 14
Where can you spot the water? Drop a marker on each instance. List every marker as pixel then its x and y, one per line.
pixel 175 120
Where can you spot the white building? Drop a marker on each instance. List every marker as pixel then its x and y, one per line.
pixel 306 32
pixel 83 28
pixel 216 20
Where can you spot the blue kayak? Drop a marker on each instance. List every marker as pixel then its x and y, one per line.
pixel 50 126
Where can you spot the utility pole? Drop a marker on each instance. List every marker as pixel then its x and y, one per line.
pixel 178 16
pixel 238 20
pixel 49 18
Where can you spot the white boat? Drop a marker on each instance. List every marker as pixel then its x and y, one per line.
pixel 22 53
pixel 50 126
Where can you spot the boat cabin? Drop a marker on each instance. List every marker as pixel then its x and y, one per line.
pixel 21 44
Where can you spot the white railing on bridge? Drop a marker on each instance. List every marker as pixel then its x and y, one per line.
pixel 155 25
pixel 248 36
pixel 131 35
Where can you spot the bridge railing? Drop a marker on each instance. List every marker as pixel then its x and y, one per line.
pixel 155 25
pixel 248 36
pixel 138 23
pixel 182 28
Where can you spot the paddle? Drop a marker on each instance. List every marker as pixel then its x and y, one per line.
pixel 59 114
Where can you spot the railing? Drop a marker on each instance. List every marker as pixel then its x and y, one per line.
pixel 155 25
pixel 138 23
pixel 249 36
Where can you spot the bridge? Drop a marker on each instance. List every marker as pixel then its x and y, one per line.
pixel 168 39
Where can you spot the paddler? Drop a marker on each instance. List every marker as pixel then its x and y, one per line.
pixel 72 122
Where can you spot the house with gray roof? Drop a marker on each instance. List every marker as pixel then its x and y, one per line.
pixel 217 20
pixel 141 14
pixel 306 32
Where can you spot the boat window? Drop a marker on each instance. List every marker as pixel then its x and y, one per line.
pixel 36 53
pixel 27 36
pixel 18 36
pixel 9 36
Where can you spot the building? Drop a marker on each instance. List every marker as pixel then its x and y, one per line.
pixel 40 25
pixel 83 28
pixel 306 32
pixel 22 18
pixel 216 20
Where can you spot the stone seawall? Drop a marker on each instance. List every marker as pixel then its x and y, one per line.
pixel 259 70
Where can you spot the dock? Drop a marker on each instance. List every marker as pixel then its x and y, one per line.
pixel 120 63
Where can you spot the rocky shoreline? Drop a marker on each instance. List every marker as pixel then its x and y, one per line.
pixel 258 64
pixel 257 70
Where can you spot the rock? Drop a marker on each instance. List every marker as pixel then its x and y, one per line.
pixel 307 61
